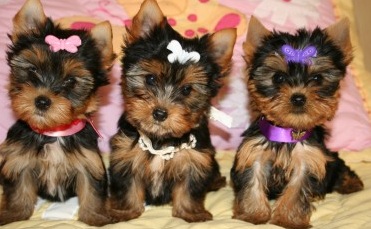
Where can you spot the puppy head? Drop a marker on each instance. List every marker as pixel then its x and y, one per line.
pixel 54 82
pixel 168 80
pixel 293 79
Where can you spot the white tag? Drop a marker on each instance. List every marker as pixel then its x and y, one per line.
pixel 221 117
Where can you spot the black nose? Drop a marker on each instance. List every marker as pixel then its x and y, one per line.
pixel 298 100
pixel 42 102
pixel 159 114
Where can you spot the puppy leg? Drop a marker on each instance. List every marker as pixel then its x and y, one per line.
pixel 127 199
pixel 249 176
pixel 219 180
pixel 251 202
pixel 91 189
pixel 341 178
pixel 293 209
pixel 92 198
pixel 18 198
pixel 187 205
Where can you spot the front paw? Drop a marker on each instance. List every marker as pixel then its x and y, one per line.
pixel 97 219
pixel 190 217
pixel 260 216
pixel 287 223
pixel 290 219
pixel 252 211
pixel 218 183
pixel 125 215
pixel 7 217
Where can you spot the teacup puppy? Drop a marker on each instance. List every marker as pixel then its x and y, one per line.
pixel 293 82
pixel 162 152
pixel 51 151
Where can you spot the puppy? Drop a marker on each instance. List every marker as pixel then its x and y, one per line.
pixel 293 82
pixel 162 152
pixel 52 151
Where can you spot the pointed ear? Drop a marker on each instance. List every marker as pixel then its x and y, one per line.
pixel 28 18
pixel 339 33
pixel 255 34
pixel 148 17
pixel 222 47
pixel 102 34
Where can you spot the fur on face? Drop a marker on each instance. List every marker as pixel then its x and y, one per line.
pixel 300 96
pixel 167 102
pixel 49 91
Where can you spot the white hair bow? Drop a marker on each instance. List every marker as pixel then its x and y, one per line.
pixel 179 54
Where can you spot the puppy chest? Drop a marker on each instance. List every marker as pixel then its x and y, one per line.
pixel 55 171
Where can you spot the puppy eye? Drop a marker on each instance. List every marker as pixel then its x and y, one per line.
pixel 151 80
pixel 316 78
pixel 186 90
pixel 32 69
pixel 69 82
pixel 279 78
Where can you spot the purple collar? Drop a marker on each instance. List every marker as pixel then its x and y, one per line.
pixel 279 134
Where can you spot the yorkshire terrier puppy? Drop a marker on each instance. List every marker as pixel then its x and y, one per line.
pixel 163 152
pixel 293 82
pixel 52 150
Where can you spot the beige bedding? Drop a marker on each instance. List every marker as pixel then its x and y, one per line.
pixel 336 211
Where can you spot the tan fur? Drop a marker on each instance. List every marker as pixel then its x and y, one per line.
pixel 28 18
pixel 186 207
pixel 148 16
pixel 252 205
pixel 58 114
pixel 253 39
pixel 339 33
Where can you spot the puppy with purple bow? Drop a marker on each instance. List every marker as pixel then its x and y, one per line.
pixel 293 82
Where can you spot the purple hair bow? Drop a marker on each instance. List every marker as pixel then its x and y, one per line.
pixel 302 56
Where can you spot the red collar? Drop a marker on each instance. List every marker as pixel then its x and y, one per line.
pixel 66 130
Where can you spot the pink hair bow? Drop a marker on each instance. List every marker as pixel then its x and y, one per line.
pixel 70 44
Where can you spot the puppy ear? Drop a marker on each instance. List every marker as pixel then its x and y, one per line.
pixel 255 34
pixel 102 34
pixel 222 47
pixel 148 17
pixel 28 19
pixel 339 33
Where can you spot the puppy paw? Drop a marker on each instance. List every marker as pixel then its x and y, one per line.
pixel 349 184
pixel 125 215
pixel 290 224
pixel 290 219
pixel 218 183
pixel 9 217
pixel 255 218
pixel 97 219
pixel 201 216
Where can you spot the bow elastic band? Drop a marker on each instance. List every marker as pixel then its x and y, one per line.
pixel 70 44
pixel 179 54
pixel 302 56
